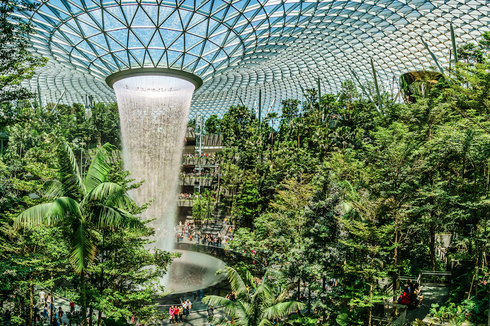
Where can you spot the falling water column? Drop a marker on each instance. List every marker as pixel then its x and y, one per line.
pixel 153 112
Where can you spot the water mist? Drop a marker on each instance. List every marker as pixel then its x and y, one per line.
pixel 153 112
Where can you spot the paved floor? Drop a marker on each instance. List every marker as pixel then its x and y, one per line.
pixel 432 294
pixel 196 318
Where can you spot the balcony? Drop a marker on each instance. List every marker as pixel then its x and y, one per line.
pixel 185 202
pixel 194 181
pixel 203 160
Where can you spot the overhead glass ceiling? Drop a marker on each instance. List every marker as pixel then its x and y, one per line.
pixel 238 47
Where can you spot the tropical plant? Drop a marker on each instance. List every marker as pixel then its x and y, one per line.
pixel 80 204
pixel 256 302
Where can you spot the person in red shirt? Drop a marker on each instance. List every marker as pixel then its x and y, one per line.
pixel 405 297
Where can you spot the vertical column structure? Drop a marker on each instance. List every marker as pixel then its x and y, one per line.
pixel 153 112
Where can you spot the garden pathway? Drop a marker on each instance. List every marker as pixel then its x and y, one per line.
pixel 432 294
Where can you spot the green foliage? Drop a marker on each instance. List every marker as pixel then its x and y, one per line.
pixel 297 320
pixel 212 124
pixel 203 208
pixel 473 310
pixel 256 303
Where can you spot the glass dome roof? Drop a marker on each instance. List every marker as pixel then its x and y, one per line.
pixel 238 47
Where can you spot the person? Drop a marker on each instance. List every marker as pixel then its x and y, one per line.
pixel 48 300
pixel 410 285
pixel 405 297
pixel 72 306
pixel 176 314
pixel 415 297
pixel 60 312
pixel 52 307
pixel 45 313
pixel 42 296
pixel 170 312
pixel 181 313
pixel 210 314
pixel 189 306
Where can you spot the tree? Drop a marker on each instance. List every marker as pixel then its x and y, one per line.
pixel 322 250
pixel 81 204
pixel 212 124
pixel 203 207
pixel 126 275
pixel 256 302
pixel 370 245
pixel 17 62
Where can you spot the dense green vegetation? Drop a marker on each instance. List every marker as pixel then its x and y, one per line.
pixel 83 241
pixel 333 188
pixel 351 190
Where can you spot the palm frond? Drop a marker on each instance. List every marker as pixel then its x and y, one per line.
pixel 53 189
pixel 236 281
pixel 48 213
pixel 285 293
pixel 33 216
pixel 108 193
pixel 264 292
pixel 265 322
pixel 69 172
pixel 99 168
pixel 83 250
pixel 116 217
pixel 249 279
pixel 231 308
pixel 282 309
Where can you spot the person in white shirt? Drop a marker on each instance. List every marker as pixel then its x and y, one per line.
pixel 189 306
pixel 42 296
pixel 184 306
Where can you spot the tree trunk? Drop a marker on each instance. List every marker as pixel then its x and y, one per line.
pixel 488 319
pixel 91 313
pixel 51 304
pixel 309 298
pixel 31 299
pixel 396 271
pixel 299 287
pixel 99 318
pixel 83 299
pixel 432 245
pixel 370 304
pixel 324 283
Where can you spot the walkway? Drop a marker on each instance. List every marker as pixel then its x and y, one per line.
pixel 196 318
pixel 432 294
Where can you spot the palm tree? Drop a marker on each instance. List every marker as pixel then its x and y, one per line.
pixel 81 204
pixel 255 306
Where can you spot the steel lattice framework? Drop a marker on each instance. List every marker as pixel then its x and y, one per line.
pixel 238 47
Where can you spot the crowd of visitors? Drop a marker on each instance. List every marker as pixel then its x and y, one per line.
pixel 199 155
pixel 45 312
pixel 188 196
pixel 177 313
pixel 189 231
pixel 412 295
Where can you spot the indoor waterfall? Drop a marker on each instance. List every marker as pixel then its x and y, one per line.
pixel 153 112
